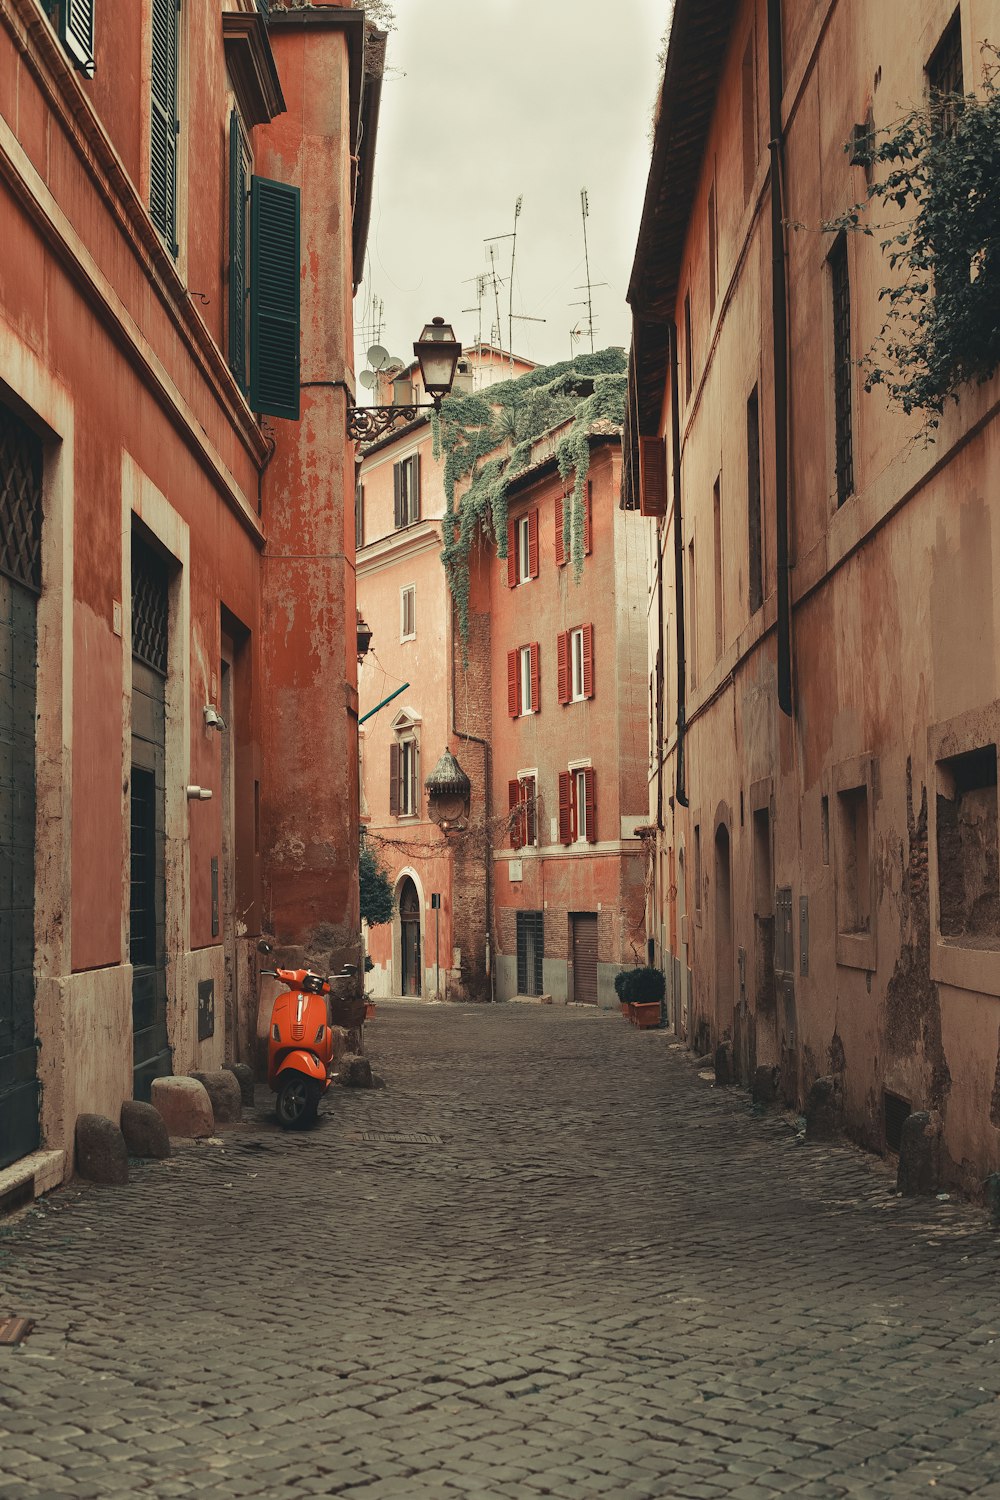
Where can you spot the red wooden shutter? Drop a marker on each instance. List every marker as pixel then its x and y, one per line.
pixel 532 544
pixel 511 555
pixel 588 519
pixel 530 824
pixel 563 661
pixel 536 701
pixel 560 547
pixel 565 807
pixel 590 805
pixel 652 476
pixel 415 788
pixel 394 779
pixel 588 661
pixel 514 804
pixel 513 685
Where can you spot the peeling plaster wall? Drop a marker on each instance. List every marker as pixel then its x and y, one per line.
pixel 895 615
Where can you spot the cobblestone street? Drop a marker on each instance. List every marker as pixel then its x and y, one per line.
pixel 608 1278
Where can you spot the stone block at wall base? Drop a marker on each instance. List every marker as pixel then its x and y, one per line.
pixel 823 1110
pixel 184 1105
pixel 243 1073
pixel 919 1172
pixel 226 1093
pixel 144 1131
pixel 101 1153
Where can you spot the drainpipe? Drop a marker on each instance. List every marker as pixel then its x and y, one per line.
pixel 779 325
pixel 680 791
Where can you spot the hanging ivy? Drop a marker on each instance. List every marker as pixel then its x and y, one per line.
pixel 942 311
pixel 486 440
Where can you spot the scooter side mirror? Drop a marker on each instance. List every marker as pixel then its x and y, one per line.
pixel 264 947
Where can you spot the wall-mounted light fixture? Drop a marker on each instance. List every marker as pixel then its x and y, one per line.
pixel 437 352
pixel 364 637
pixel 198 793
pixel 213 719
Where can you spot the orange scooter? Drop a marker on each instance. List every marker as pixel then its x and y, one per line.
pixel 299 1045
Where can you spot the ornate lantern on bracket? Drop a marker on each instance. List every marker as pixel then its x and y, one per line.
pixel 448 794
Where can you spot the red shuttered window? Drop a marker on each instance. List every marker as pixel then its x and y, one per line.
pixel 513 684
pixel 511 555
pixel 536 701
pixel 652 476
pixel 565 807
pixel 528 795
pixel 588 661
pixel 588 828
pixel 533 544
pixel 516 814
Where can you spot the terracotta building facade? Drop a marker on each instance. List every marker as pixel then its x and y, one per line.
pixel 822 588
pixel 184 201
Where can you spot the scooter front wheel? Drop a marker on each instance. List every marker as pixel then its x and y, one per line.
pixel 298 1102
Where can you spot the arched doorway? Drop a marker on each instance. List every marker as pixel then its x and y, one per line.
pixel 723 931
pixel 411 962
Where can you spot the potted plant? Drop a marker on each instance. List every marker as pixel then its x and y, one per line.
pixel 644 990
pixel 621 980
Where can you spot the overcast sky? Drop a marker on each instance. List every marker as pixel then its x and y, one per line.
pixel 486 100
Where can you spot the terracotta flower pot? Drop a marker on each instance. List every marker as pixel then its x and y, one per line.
pixel 369 1009
pixel 624 1008
pixel 645 1014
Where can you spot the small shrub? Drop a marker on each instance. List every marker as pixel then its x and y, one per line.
pixel 645 986
pixel 621 979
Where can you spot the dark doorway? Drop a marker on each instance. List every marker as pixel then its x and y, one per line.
pixel 584 925
pixel 409 933
pixel 20 583
pixel 147 904
pixel 530 952
pixel 723 931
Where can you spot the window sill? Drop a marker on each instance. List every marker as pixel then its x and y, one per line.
pixel 404 638
pixel 965 968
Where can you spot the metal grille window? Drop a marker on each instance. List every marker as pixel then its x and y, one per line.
pixel 20 502
pixel 530 951
pixel 844 437
pixel 149 607
pixel 946 78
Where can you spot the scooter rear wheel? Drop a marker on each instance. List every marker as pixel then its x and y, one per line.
pixel 298 1102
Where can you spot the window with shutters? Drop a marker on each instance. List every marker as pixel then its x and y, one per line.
pixel 406 491
pixel 359 515
pixel 240 172
pixel 404 776
pixel 523 680
pixel 408 613
pixel 575 663
pixel 164 124
pixel 275 281
pixel 522 809
pixel 754 532
pixel 74 22
pixel 522 549
pixel 578 805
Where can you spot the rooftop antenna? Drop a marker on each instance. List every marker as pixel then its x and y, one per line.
pixel 480 281
pixel 497 283
pixel 589 285
pixel 510 303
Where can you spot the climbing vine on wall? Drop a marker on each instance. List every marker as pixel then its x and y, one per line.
pixel 941 329
pixel 486 439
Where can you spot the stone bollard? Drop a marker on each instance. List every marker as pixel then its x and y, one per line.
pixel 355 1072
pixel 823 1110
pixel 101 1153
pixel 919 1172
pixel 243 1073
pixel 226 1093
pixel 144 1131
pixel 724 1072
pixel 184 1105
pixel 764 1088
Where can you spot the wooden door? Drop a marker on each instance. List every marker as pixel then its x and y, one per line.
pixel 584 958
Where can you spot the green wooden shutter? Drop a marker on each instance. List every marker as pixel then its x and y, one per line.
pixel 274 298
pixel 163 123
pixel 75 19
pixel 237 252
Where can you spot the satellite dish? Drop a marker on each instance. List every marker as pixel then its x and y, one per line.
pixel 367 378
pixel 394 361
pixel 377 357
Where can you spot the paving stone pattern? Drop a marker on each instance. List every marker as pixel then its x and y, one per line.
pixel 610 1279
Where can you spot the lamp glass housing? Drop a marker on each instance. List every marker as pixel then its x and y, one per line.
pixel 437 352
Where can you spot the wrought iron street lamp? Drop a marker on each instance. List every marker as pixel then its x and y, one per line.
pixel 437 351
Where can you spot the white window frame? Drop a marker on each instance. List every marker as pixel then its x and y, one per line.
pixel 577 693
pixel 409 792
pixel 523 550
pixel 580 805
pixel 524 680
pixel 408 590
